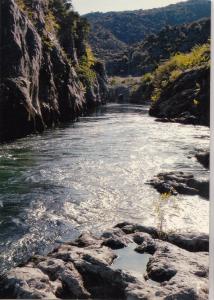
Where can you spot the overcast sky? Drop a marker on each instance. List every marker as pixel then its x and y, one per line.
pixel 85 6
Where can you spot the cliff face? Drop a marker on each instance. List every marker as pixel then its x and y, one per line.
pixel 43 78
pixel 178 101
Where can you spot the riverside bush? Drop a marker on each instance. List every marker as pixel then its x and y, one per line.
pixel 170 70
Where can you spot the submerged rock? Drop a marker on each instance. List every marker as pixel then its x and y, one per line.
pixel 183 119
pixel 180 183
pixel 84 269
pixel 204 158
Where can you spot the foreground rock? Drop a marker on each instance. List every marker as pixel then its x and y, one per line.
pixel 180 183
pixel 177 268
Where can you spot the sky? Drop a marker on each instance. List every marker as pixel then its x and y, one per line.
pixel 86 6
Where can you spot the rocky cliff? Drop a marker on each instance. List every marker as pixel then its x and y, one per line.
pixel 182 101
pixel 48 73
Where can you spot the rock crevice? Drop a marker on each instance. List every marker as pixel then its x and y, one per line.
pixel 84 269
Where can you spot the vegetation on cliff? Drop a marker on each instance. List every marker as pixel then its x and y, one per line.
pixel 145 57
pixel 48 73
pixel 178 89
pixel 181 87
pixel 114 35
pixel 171 70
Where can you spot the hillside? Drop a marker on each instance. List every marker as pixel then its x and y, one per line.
pixel 145 57
pixel 178 90
pixel 113 32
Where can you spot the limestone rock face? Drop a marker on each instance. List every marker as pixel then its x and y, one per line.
pixel 30 283
pixel 176 103
pixel 39 85
pixel 84 269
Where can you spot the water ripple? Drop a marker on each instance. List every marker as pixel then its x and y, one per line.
pixel 91 175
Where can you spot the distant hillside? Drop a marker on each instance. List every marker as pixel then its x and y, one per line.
pixel 146 56
pixel 112 32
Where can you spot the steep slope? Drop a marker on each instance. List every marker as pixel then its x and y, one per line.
pixel 146 56
pixel 110 44
pixel 131 27
pixel 178 90
pixel 48 73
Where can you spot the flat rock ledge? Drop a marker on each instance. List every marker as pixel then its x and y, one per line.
pixel 180 183
pixel 185 119
pixel 84 269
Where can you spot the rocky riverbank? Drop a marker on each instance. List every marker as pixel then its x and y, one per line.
pixel 204 158
pixel 85 269
pixel 135 90
pixel 186 99
pixel 180 183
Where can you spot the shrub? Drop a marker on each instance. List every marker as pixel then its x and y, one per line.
pixel 174 75
pixel 51 22
pixel 21 4
pixel 170 70
pixel 24 6
pixel 90 56
pixel 85 70
pixel 147 78
pixel 47 42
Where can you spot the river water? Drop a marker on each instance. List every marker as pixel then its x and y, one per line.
pixel 91 175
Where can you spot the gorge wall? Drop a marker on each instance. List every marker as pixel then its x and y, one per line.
pixel 48 72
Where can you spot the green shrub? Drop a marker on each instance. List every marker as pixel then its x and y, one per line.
pixel 86 71
pixel 174 75
pixel 51 22
pixel 147 78
pixel 47 43
pixel 170 70
pixel 21 4
pixel 24 6
pixel 90 57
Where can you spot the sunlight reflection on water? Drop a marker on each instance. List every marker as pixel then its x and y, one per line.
pixel 91 175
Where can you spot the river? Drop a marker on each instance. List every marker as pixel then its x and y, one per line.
pixel 90 175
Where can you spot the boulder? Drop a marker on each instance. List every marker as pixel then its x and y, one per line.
pixel 84 269
pixel 175 183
